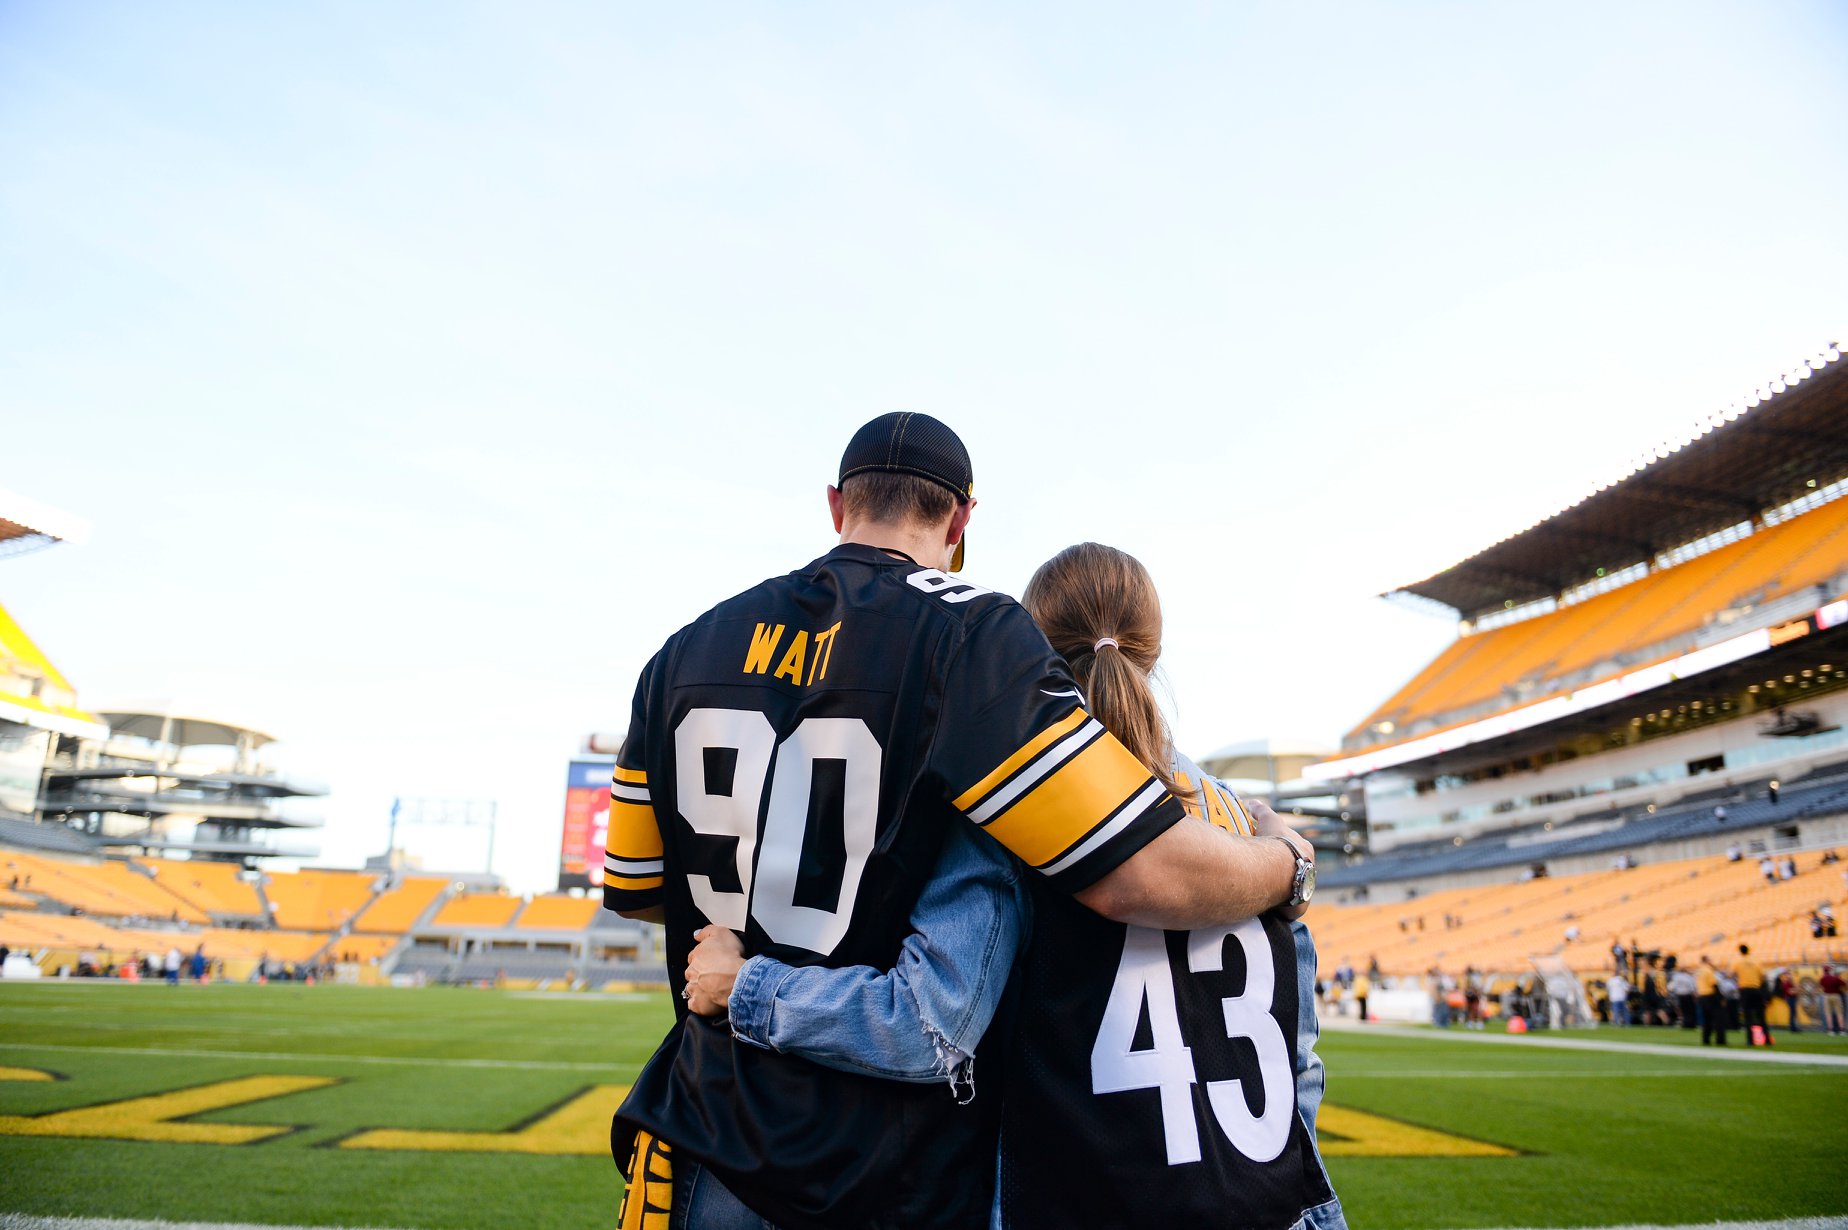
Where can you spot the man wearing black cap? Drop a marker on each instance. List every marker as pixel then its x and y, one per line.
pixel 795 759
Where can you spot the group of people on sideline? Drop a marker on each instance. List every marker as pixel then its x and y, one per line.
pixel 1644 989
pixel 1718 999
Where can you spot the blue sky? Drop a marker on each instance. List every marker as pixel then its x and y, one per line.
pixel 421 367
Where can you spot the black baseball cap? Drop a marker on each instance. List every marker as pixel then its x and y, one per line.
pixel 907 443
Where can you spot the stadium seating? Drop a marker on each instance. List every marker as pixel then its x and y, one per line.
pixel 601 974
pixel 1616 631
pixel 317 900
pixel 431 963
pixel 558 913
pixel 512 963
pixel 477 910
pixel 1818 793
pixel 109 888
pixel 363 949
pixel 27 932
pixel 117 909
pixel 1688 907
pixel 401 907
pixel 217 889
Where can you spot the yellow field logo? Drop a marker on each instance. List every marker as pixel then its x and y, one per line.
pixel 579 1125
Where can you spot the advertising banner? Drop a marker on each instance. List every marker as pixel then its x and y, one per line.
pixel 587 822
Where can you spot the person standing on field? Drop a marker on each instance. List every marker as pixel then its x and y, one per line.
pixel 1834 1002
pixel 1712 1003
pixel 1618 988
pixel 1681 984
pixel 1751 979
pixel 800 761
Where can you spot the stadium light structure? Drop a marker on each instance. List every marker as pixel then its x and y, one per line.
pixel 443 813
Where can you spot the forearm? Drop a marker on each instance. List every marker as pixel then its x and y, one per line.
pixel 921 1019
pixel 1196 875
pixel 799 1011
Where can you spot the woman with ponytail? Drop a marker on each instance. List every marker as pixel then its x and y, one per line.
pixel 1149 1076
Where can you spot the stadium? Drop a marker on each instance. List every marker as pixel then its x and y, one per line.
pixel 1641 717
pixel 1636 741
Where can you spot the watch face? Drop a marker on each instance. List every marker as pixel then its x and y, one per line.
pixel 1308 888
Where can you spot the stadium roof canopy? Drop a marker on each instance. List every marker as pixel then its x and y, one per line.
pixel 26 525
pixel 1263 760
pixel 1787 441
pixel 179 731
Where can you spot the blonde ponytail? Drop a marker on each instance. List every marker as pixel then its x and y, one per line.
pixel 1098 607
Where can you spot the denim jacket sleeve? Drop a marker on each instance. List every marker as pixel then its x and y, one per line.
pixel 1310 1078
pixel 919 1021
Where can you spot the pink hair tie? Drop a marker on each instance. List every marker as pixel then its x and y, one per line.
pixel 1105 640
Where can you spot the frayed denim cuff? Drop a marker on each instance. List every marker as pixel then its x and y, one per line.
pixel 753 1000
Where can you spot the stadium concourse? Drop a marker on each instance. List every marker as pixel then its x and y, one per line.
pixel 1638 737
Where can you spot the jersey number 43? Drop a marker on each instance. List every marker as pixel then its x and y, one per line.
pixel 1146 977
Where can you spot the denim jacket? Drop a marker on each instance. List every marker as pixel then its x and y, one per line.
pixel 921 1020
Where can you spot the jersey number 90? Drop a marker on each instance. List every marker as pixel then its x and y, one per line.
pixel 788 771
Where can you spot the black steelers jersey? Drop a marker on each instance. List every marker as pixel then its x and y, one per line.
pixel 793 760
pixel 1151 1074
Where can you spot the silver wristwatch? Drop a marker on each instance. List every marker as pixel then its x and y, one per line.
pixel 1302 887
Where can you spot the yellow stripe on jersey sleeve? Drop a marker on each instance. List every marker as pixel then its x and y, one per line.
pixel 636 776
pixel 1033 747
pixel 633 832
pixel 1058 813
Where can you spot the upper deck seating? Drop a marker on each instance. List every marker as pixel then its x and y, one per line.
pixel 1614 632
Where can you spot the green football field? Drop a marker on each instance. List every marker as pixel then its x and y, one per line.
pixel 331 1106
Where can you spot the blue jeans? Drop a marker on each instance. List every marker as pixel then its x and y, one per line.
pixel 701 1202
pixel 1620 1012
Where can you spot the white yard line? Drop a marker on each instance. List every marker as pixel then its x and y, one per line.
pixel 1790 1223
pixel 1737 1054
pixel 413 1061
pixel 21 1221
pixel 1341 1072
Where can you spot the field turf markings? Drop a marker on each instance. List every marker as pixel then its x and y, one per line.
pixel 162 1116
pixel 1345 1132
pixel 1790 1223
pixel 1541 1041
pixel 26 1074
pixel 1346 1073
pixel 415 1061
pixel 579 1125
